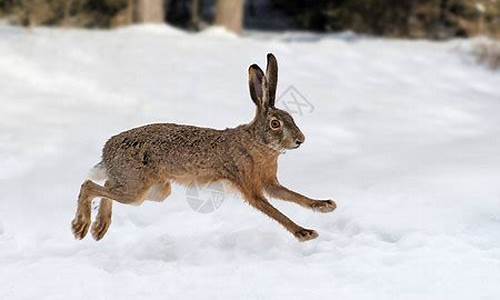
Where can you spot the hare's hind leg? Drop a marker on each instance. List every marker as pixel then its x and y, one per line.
pixel 159 192
pixel 103 219
pixel 81 222
pixel 132 193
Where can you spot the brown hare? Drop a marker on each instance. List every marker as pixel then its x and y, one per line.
pixel 141 163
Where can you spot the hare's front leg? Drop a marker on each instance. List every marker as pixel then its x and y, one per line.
pixel 264 206
pixel 276 190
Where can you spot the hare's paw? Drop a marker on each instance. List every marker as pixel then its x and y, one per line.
pixel 100 227
pixel 305 234
pixel 80 226
pixel 324 206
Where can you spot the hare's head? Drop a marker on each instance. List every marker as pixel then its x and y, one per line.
pixel 275 127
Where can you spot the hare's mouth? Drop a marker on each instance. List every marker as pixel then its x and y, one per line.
pixel 291 147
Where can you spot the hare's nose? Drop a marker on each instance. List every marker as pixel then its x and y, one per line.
pixel 299 141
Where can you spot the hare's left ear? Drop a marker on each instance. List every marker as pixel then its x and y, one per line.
pixel 272 78
pixel 258 87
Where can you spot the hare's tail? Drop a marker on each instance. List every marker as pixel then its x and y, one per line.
pixel 98 172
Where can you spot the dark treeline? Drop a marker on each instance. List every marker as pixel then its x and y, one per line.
pixel 404 18
pixel 399 18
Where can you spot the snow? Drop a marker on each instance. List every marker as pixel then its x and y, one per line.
pixel 403 134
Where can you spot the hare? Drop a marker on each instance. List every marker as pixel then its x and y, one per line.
pixel 140 164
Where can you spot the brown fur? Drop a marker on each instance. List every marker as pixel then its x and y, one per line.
pixel 141 163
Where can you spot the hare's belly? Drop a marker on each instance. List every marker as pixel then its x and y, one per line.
pixel 190 176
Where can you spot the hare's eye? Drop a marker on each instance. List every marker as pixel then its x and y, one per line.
pixel 275 124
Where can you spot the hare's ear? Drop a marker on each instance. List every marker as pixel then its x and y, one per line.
pixel 256 81
pixel 272 77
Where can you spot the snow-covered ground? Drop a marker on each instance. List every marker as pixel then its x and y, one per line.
pixel 405 135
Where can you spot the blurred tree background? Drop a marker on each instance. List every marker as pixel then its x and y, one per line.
pixel 435 19
pixel 402 18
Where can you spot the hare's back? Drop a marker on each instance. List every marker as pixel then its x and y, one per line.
pixel 157 145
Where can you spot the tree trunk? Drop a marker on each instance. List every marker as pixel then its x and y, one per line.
pixel 195 14
pixel 149 11
pixel 67 11
pixel 443 11
pixel 229 13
